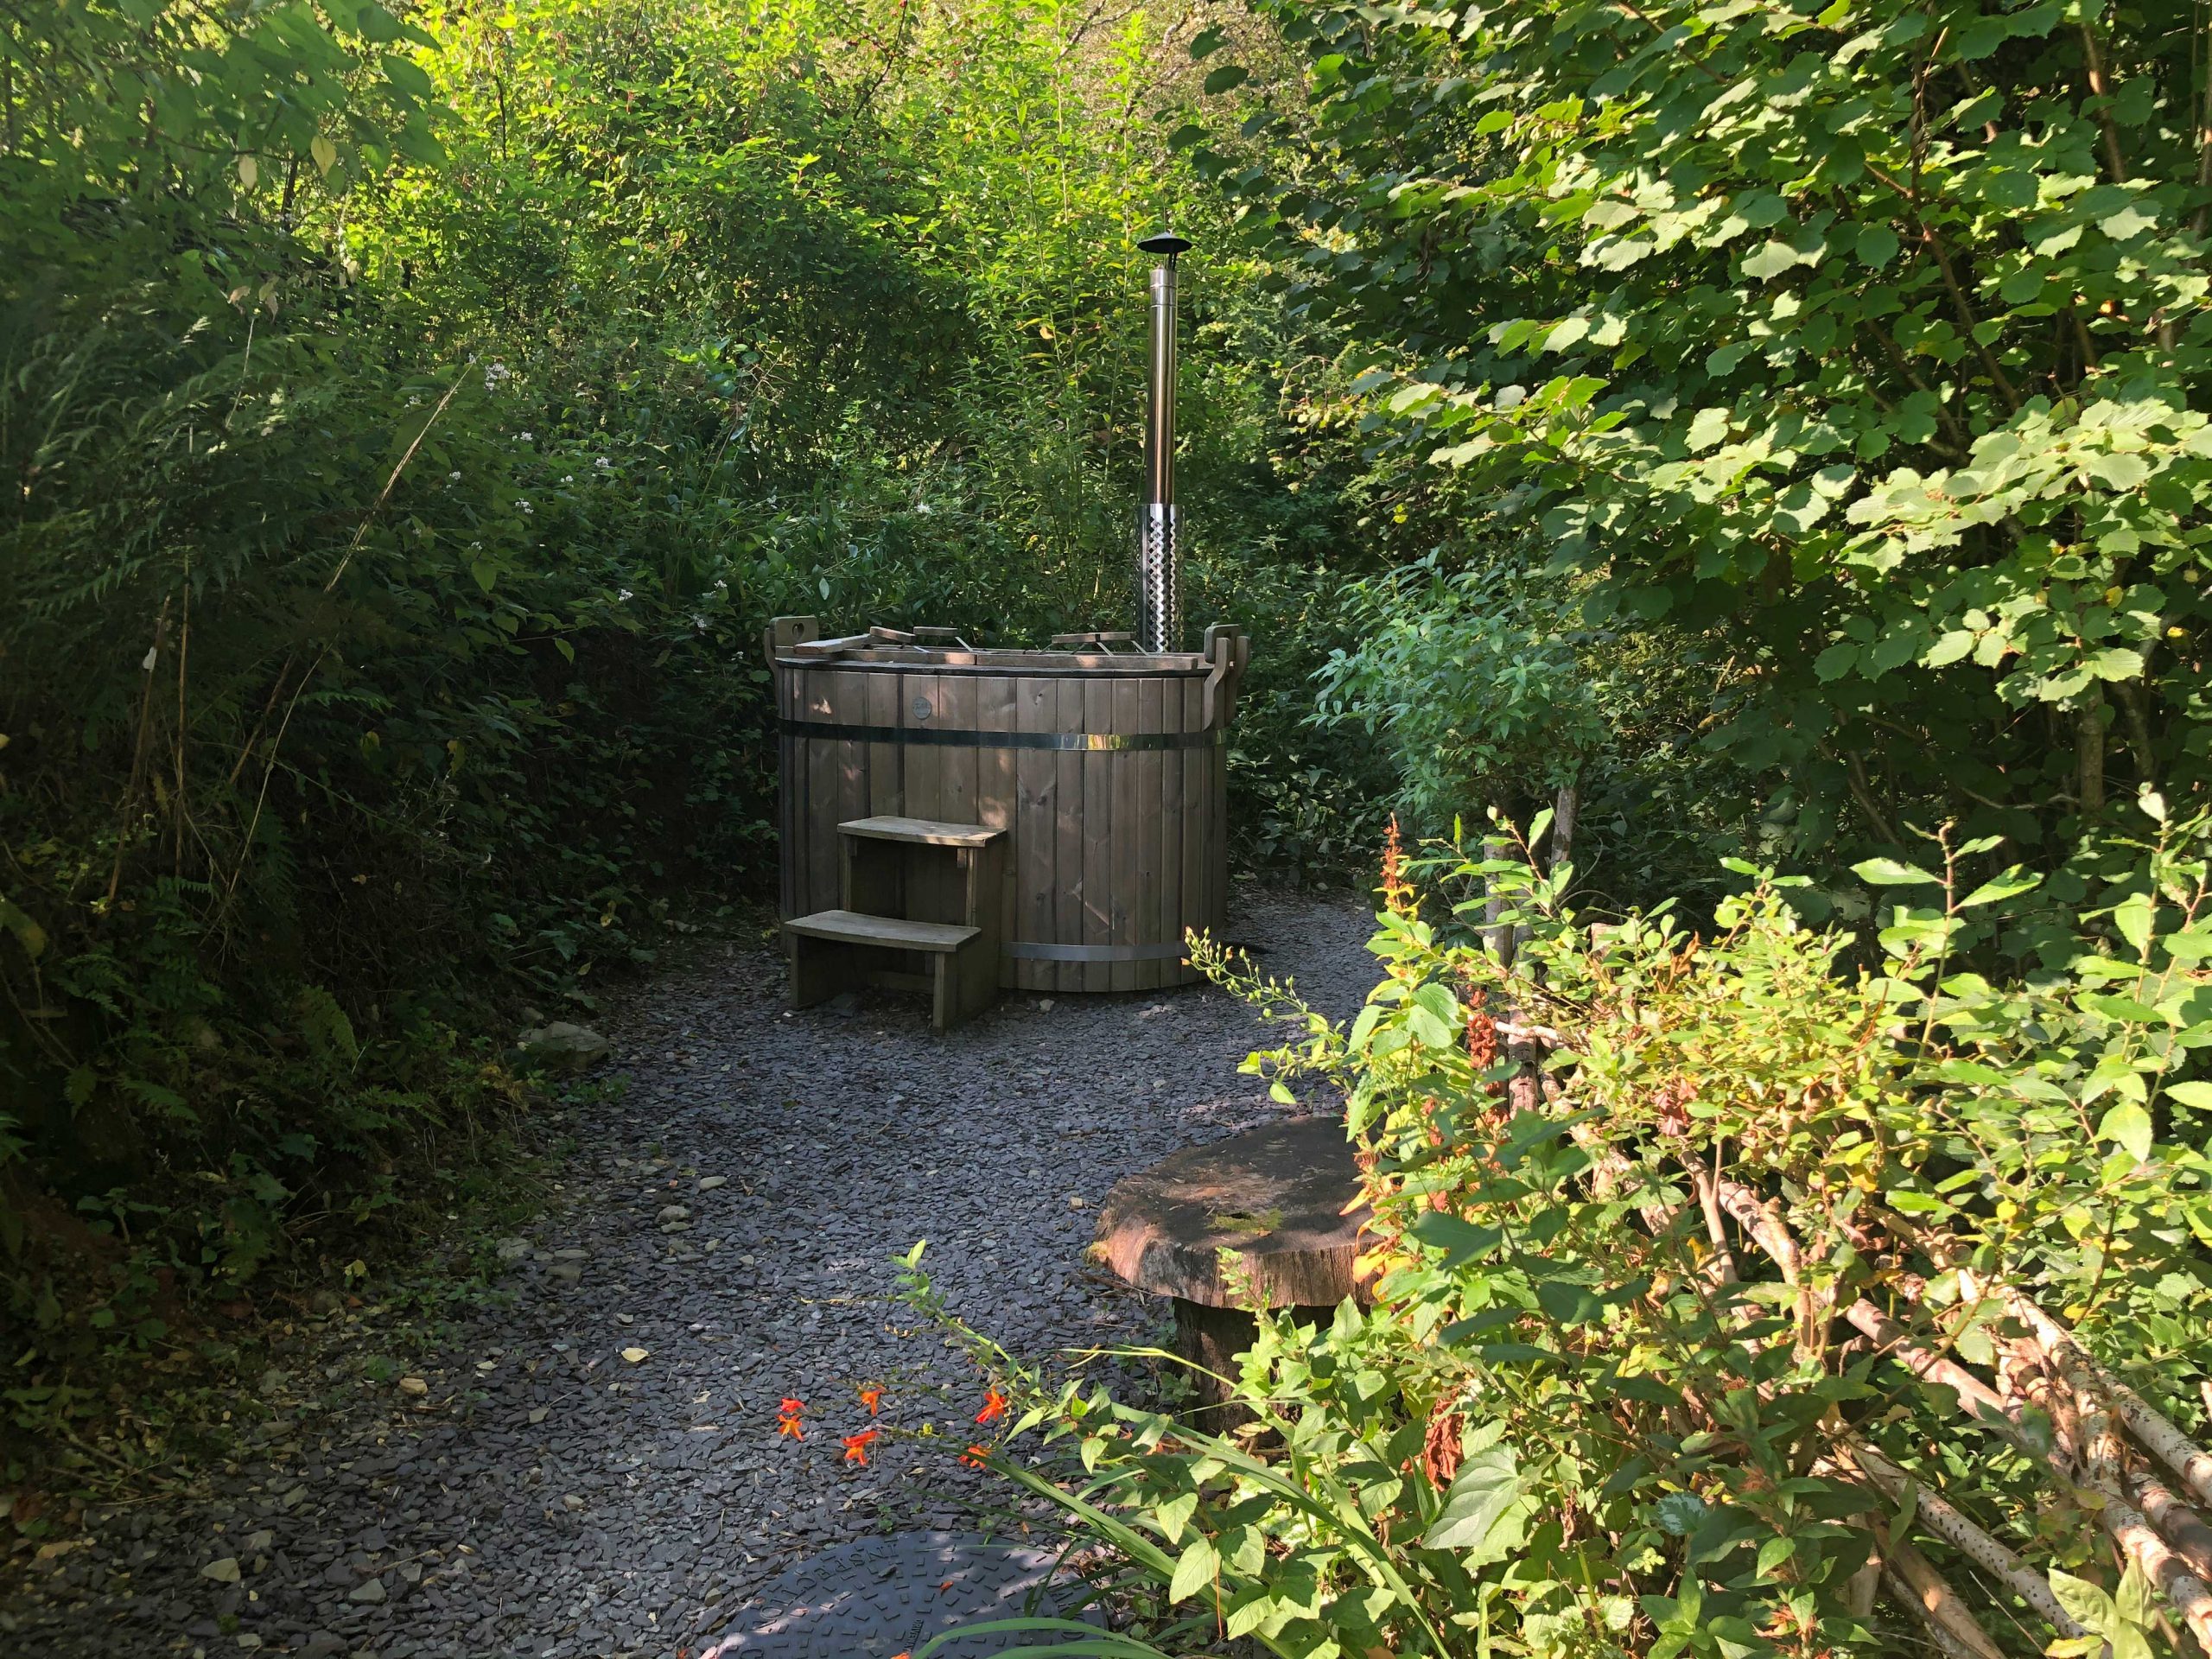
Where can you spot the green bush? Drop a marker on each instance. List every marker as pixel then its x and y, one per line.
pixel 1709 1271
pixel 1863 343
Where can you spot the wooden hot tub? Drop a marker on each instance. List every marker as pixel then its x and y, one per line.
pixel 1106 769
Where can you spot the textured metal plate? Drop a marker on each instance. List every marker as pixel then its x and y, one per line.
pixel 876 1597
pixel 1160 579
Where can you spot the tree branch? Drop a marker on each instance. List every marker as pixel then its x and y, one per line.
pixel 1912 1580
pixel 1954 1529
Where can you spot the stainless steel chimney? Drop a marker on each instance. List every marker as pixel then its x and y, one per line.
pixel 1159 570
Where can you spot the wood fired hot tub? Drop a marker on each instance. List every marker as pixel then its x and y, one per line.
pixel 1106 769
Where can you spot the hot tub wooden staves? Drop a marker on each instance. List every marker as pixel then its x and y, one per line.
pixel 1106 769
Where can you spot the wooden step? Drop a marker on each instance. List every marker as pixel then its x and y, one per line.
pixel 921 832
pixel 889 933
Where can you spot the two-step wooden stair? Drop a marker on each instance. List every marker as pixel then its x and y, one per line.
pixel 920 913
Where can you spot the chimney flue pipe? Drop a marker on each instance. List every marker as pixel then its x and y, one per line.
pixel 1159 574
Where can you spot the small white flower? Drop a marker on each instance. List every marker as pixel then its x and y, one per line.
pixel 567 478
pixel 623 593
pixel 525 505
pixel 452 478
pixel 529 437
pixel 413 400
pixel 922 507
pixel 602 463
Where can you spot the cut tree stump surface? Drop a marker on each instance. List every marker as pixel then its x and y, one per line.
pixel 1275 1195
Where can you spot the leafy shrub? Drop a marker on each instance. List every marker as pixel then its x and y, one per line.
pixel 1472 682
pixel 1717 1283
pixel 1868 339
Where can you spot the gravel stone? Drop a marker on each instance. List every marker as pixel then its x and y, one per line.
pixel 840 1138
pixel 880 1596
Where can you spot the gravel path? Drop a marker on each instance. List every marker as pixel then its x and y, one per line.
pixel 534 1491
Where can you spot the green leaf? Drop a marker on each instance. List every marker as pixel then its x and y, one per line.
pixel 1438 1001
pixel 1225 78
pixel 1707 427
pixel 2090 1607
pixel 1175 1514
pixel 1427 1030
pixel 2128 1127
pixel 375 23
pixel 1949 648
pixel 29 934
pixel 2198 1095
pixel 1480 1494
pixel 2133 1601
pixel 2129 222
pixel 1836 661
pixel 1462 1242
pixel 2132 916
pixel 1363 1028
pixel 2015 881
pixel 1206 41
pixel 1891 873
pixel 1878 246
pixel 408 76
pixel 1569 1304
pixel 1770 261
pixel 1194 1569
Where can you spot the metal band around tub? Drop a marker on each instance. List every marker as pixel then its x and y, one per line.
pixel 1031 950
pixel 935 737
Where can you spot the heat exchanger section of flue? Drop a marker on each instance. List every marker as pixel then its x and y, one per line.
pixel 1160 573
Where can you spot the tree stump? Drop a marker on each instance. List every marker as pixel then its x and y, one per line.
pixel 1283 1199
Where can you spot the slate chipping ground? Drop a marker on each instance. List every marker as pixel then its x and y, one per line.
pixel 545 1496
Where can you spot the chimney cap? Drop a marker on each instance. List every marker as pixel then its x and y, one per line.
pixel 1166 241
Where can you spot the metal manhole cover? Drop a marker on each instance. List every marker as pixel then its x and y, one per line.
pixel 878 1597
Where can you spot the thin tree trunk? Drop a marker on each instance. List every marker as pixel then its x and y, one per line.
pixel 1497 937
pixel 2090 750
pixel 2135 710
pixel 1564 809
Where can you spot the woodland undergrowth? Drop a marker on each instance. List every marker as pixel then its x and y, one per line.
pixel 1758 1290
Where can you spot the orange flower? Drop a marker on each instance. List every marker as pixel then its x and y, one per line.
pixel 787 1415
pixel 994 1407
pixel 1398 892
pixel 856 1446
pixel 976 1456
pixel 869 1396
